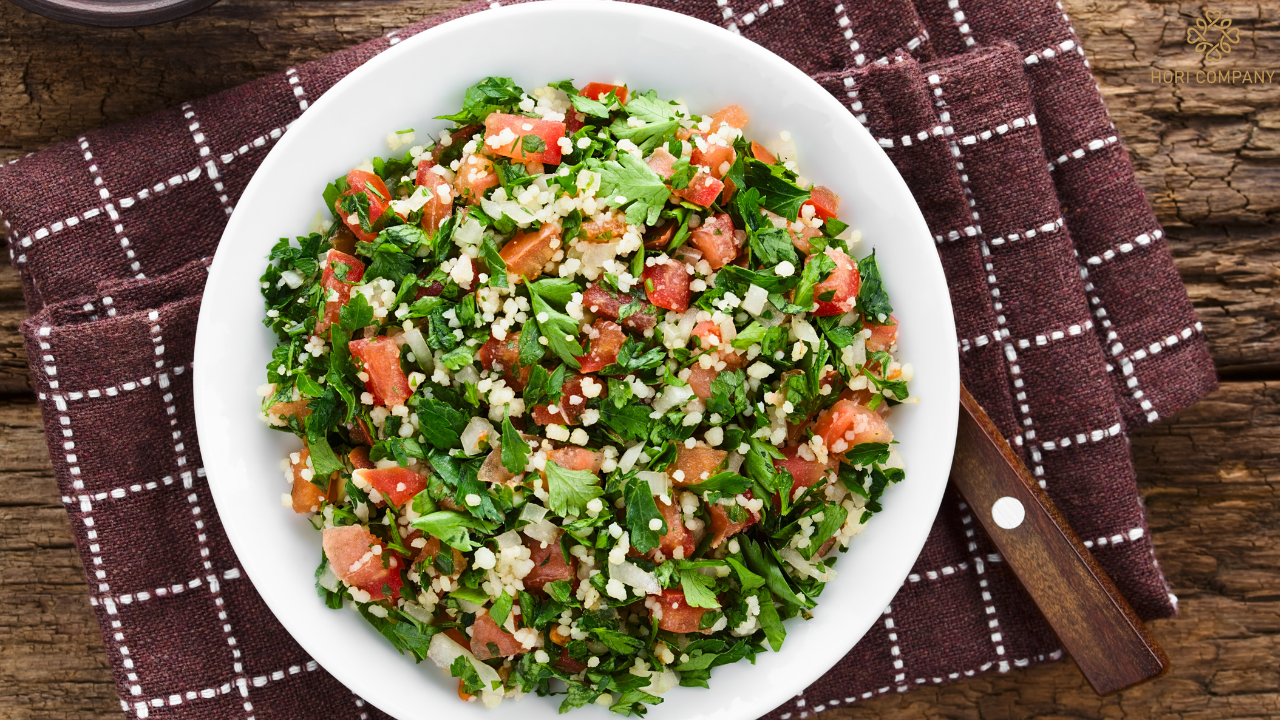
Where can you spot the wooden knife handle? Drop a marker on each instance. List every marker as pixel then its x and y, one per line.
pixel 1091 618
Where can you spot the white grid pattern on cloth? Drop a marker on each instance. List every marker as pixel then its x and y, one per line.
pixel 85 506
pixel 105 194
pixel 162 591
pixel 979 566
pixel 1112 342
pixel 962 23
pixel 224 689
pixel 730 19
pixel 210 166
pixel 297 88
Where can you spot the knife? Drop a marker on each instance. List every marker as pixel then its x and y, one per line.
pixel 1092 620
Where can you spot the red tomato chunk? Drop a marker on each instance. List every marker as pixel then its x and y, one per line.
pixel 843 283
pixel 438 209
pixel 548 564
pixel 485 632
pixel 702 191
pixel 609 304
pixel 350 550
pixel 397 484
pixel 848 423
pixel 825 203
pixel 332 284
pixel 596 90
pixel 678 615
pixel 375 190
pixel 512 131
pixel 667 285
pixel 678 542
pixel 717 240
pixel 380 357
pixel 606 339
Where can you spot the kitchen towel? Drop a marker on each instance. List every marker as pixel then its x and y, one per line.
pixel 1073 329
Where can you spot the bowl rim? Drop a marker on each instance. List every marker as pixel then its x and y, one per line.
pixel 948 409
pixel 136 13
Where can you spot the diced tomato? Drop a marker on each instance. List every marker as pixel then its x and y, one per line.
pixel 722 528
pixel 610 303
pixel 503 356
pixel 805 473
pixel 703 190
pixel 349 549
pixel 361 433
pixel 373 188
pixel 332 284
pixel 678 615
pixel 660 236
pixel 576 458
pixel 759 152
pixel 882 337
pixel 381 360
pixel 606 339
pixel 432 548
pixel 734 115
pixel 801 238
pixel 714 157
pixel 519 127
pixel 708 334
pixel 595 91
pixel 717 240
pixel 695 462
pixel 438 209
pixel 486 633
pixel 299 408
pixel 570 407
pixel 567 663
pixel 457 137
pixel 573 122
pixel 607 231
pixel 848 423
pixel 306 496
pixel 359 458
pixel 476 175
pixel 343 240
pixel 432 290
pixel 528 252
pixel 492 471
pixel 667 285
pixel 843 283
pixel 661 162
pixel 397 484
pixel 678 537
pixel 548 564
pixel 700 380
pixel 824 202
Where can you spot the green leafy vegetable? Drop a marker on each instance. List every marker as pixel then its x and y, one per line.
pixel 571 490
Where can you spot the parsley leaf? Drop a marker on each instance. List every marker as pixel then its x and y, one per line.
pixel 532 144
pixel 441 424
pixel 559 329
pixel 865 454
pixel 725 483
pixel 629 421
pixel 571 490
pixel 817 267
pixel 777 193
pixel 649 108
pixel 699 590
pixel 515 451
pixel 356 314
pixel 772 245
pixel 587 106
pixel 501 608
pixel 467 673
pixel 643 193
pixel 497 266
pixel 872 297
pixel 452 528
pixel 491 94
pixel 641 509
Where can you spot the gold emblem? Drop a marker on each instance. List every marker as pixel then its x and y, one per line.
pixel 1213 35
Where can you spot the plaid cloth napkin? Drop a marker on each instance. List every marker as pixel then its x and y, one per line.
pixel 1073 329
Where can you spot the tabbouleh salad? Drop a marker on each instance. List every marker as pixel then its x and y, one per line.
pixel 591 390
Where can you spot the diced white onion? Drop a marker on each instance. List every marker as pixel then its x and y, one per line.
pixel 510 538
pixel 659 483
pixel 443 650
pixel 530 514
pixel 673 396
pixel 629 457
pixel 478 429
pixel 595 254
pixel 628 574
pixel 418 344
pixel 542 531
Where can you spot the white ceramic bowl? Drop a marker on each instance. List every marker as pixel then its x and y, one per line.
pixel 425 76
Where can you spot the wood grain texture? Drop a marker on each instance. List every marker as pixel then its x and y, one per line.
pixel 1093 621
pixel 1209 157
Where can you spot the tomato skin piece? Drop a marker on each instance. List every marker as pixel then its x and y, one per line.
pixel 722 528
pixel 595 91
pixel 703 190
pixel 548 131
pixel 708 334
pixel 436 210
pixel 824 202
pixel 670 285
pixel 381 360
pixel 714 157
pixel 848 423
pixel 476 176
pixel 882 337
pixel 677 535
pixel 844 281
pixel 762 154
pixel 567 412
pixel 348 550
pixel 734 115
pixel 330 282
pixel 548 564
pixel 359 458
pixel 606 339
pixel 461 135
pixel 504 356
pixel 306 497
pixel 804 473
pixel 603 232
pixel 700 380
pixel 360 181
pixel 678 615
pixel 485 631
pixel 396 484
pixel 288 409
pixel 695 462
pixel 576 458
pixel 528 252
pixel 662 162
pixel 567 663
pixel 609 304
pixel 718 240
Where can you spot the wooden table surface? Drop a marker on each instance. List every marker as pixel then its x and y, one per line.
pixel 1208 156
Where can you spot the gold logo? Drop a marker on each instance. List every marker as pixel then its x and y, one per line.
pixel 1213 35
